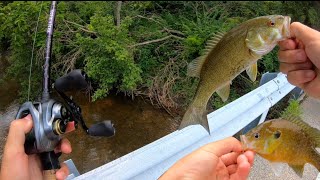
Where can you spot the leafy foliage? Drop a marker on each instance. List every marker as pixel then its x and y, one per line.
pixel 293 109
pixel 17 27
pixel 108 61
pixel 146 55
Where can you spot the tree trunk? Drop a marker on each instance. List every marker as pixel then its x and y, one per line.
pixel 117 13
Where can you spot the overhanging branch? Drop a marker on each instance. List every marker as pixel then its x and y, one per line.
pixel 156 40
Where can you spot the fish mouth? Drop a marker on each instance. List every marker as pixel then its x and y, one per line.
pixel 286 27
pixel 244 142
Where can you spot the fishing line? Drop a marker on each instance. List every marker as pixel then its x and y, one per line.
pixel 34 41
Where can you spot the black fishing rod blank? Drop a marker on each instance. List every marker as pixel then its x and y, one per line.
pixel 47 63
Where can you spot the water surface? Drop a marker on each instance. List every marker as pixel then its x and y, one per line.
pixel 137 123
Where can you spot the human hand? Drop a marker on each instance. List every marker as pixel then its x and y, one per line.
pixel 218 160
pixel 16 164
pixel 300 58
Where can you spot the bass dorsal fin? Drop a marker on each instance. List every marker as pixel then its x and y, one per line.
pixel 212 42
pixel 194 67
pixel 312 132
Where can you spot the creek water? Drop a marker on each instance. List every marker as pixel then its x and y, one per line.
pixel 137 123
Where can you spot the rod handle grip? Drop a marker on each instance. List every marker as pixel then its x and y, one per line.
pixel 49 174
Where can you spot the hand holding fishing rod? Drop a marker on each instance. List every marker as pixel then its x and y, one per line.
pixel 50 117
pixel 16 164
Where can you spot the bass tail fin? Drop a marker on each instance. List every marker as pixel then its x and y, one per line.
pixel 195 115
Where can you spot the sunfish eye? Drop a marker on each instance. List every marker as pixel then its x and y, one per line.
pixel 271 23
pixel 256 135
pixel 277 134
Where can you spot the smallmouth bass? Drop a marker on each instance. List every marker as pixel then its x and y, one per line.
pixel 229 54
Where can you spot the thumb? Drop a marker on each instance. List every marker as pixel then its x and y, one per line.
pixel 16 136
pixel 303 32
pixel 223 146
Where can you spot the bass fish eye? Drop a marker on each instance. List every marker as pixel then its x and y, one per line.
pixel 271 23
pixel 256 135
pixel 277 134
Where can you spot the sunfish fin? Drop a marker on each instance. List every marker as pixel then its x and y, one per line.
pixel 315 159
pixel 224 92
pixel 194 67
pixel 277 167
pixel 298 169
pixel 313 133
pixel 195 115
pixel 252 71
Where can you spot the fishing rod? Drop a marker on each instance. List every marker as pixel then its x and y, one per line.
pixel 51 117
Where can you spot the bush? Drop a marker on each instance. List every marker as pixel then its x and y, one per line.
pixel 293 109
pixel 146 55
pixel 108 60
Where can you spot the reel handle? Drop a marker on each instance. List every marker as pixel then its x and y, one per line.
pixel 74 80
pixel 104 128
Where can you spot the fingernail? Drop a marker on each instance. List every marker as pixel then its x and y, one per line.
pixel 28 117
pixel 310 74
pixel 287 43
pixel 62 175
pixel 301 55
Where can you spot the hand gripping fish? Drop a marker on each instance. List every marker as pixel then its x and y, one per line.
pixel 229 54
pixel 288 140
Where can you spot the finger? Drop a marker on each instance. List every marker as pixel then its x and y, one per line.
pixel 312 88
pixel 300 44
pixel 300 76
pixel 250 156
pixel 243 167
pixel 287 44
pixel 64 146
pixel 63 172
pixel 16 137
pixel 230 158
pixel 70 127
pixel 286 67
pixel 303 32
pixel 224 146
pixel 292 56
pixel 232 168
